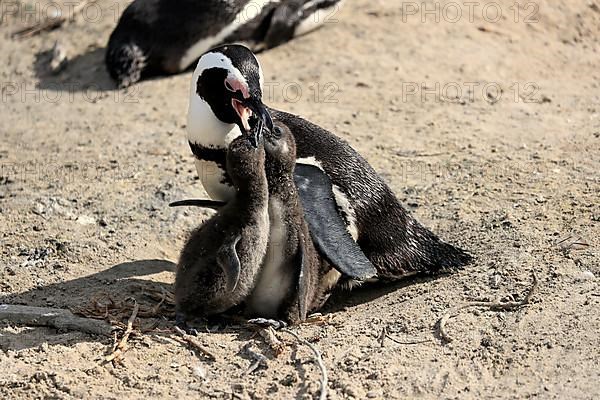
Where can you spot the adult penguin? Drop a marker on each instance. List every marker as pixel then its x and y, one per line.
pixel 226 100
pixel 156 37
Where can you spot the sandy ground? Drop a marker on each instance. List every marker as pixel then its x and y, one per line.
pixel 488 131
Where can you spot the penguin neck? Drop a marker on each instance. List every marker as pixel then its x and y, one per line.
pixel 254 193
pixel 205 129
pixel 282 186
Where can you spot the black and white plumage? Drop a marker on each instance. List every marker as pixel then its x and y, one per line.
pixel 395 243
pixel 167 36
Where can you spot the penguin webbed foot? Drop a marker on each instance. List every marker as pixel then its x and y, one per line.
pixel 181 323
pixel 267 322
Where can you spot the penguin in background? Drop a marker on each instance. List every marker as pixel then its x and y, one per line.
pixel 155 37
pixel 226 100
pixel 220 261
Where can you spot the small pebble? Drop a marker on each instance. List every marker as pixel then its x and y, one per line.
pixel 200 372
pixel 586 276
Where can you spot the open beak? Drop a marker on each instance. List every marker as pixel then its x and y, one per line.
pixel 245 109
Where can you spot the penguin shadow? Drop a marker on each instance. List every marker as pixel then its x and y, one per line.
pixel 82 73
pixel 343 299
pixel 120 283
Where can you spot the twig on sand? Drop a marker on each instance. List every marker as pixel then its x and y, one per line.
pixel 192 341
pixel 492 305
pixel 318 359
pixel 385 335
pixel 121 347
pixel 54 318
pixel 259 359
pixel 268 334
pixel 382 336
pixel 50 23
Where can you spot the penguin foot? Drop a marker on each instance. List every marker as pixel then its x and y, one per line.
pixel 266 322
pixel 181 323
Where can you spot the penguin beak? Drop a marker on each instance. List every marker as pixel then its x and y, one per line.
pixel 245 109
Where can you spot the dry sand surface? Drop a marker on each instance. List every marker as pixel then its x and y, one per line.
pixel 508 169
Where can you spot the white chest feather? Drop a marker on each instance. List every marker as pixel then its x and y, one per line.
pixel 275 280
pixel 211 177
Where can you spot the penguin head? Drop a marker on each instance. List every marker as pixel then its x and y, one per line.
pixel 280 148
pixel 226 92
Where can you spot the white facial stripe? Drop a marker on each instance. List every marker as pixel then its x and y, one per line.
pixel 203 127
pixel 218 60
pixel 251 9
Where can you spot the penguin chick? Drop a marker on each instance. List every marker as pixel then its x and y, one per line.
pixel 294 279
pixel 221 259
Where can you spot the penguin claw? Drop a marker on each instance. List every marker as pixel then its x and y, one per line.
pixel 266 322
pixel 181 323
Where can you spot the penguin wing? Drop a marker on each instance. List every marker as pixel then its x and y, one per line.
pixel 203 203
pixel 228 260
pixel 327 228
pixel 303 278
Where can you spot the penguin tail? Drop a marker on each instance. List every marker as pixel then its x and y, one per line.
pixel 411 249
pixel 442 257
pixel 125 63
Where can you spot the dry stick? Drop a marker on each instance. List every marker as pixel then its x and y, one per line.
pixel 274 343
pixel 122 346
pixel 385 335
pixel 382 336
pixel 259 359
pixel 318 359
pixel 54 318
pixel 407 342
pixel 492 305
pixel 192 341
pixel 49 24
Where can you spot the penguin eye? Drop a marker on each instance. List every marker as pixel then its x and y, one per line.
pixel 277 132
pixel 229 87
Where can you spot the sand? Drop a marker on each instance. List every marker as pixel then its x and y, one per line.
pixel 487 130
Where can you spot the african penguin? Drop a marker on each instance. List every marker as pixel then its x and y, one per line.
pixel 221 259
pixel 156 37
pixel 294 279
pixel 226 100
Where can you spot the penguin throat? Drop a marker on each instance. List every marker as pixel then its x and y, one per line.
pixel 205 129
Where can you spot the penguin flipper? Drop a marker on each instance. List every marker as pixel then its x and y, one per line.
pixel 203 203
pixel 303 278
pixel 228 260
pixel 327 228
